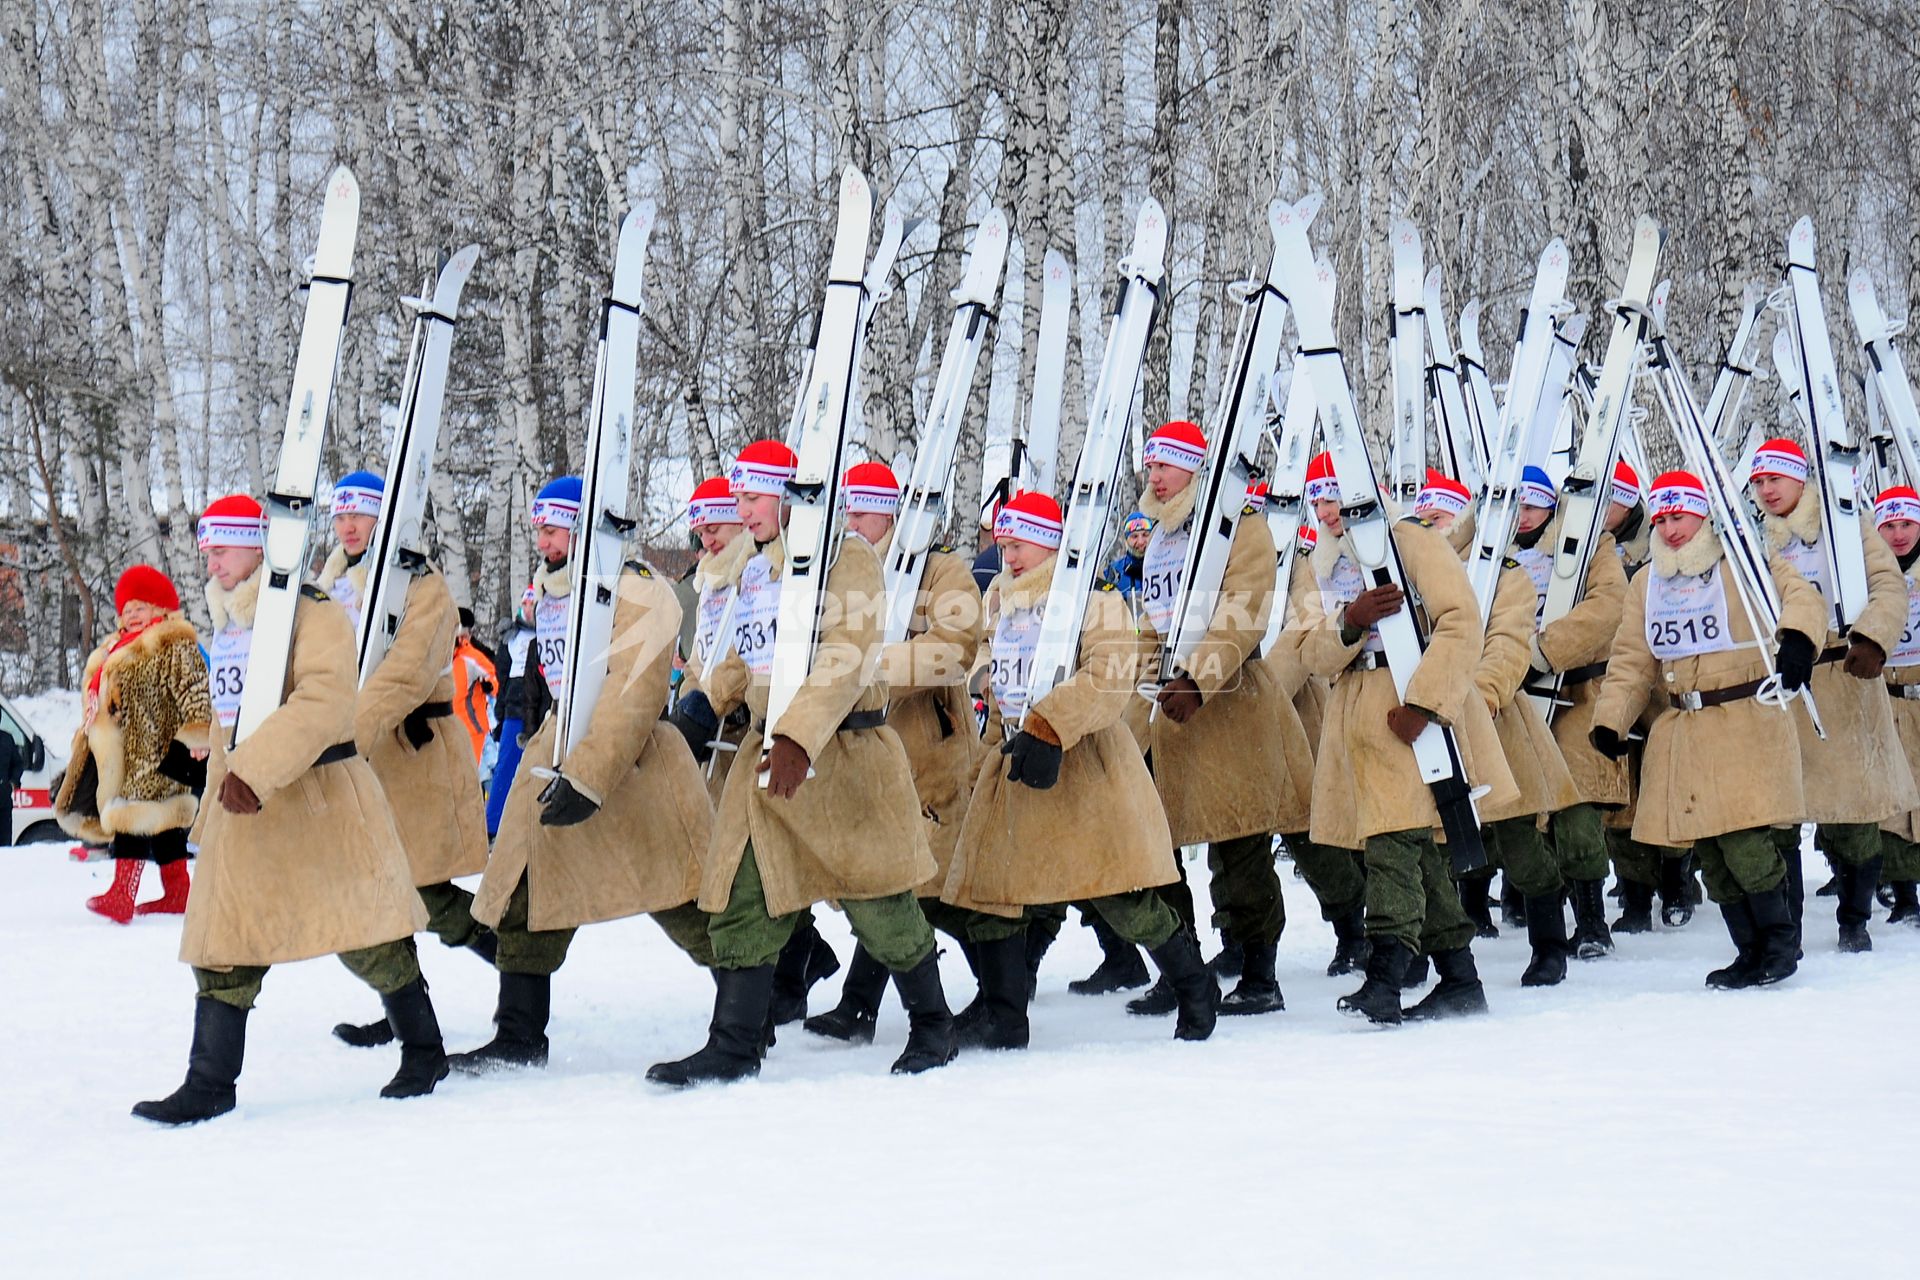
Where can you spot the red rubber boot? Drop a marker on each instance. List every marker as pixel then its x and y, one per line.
pixel 116 904
pixel 174 884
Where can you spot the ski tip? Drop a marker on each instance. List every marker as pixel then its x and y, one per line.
pixel 1657 302
pixel 1555 254
pixel 1402 234
pixel 853 184
pixel 1329 279
pixel 1058 269
pixel 343 187
pixel 993 226
pixel 1647 227
pixel 1470 314
pixel 1801 237
pixel 1432 283
pixel 453 278
pixel 1860 282
pixel 1309 207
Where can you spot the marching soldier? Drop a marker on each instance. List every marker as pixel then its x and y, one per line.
pixel 1896 514
pixel 404 727
pixel 619 832
pixel 1856 776
pixel 838 818
pixel 1367 790
pixel 926 676
pixel 1228 752
pixel 1721 769
pixel 1063 809
pixel 299 855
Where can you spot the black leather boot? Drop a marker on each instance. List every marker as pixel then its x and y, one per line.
pixel 1591 940
pixel 1458 994
pixel 735 1037
pixel 1547 935
pixel 1745 970
pixel 1677 891
pixel 1775 934
pixel 1906 903
pixel 1258 991
pixel 853 1019
pixel 931 1041
pixel 213 1067
pixel 1478 904
pixel 1513 907
pixel 805 960
pixel 1231 958
pixel 1636 908
pixel 1003 986
pixel 1855 909
pixel 1196 993
pixel 1350 945
pixel 1040 936
pixel 1378 999
pixel 520 1027
pixel 363 1035
pixel 1121 968
pixel 423 1055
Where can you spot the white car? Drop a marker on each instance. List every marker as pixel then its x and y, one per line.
pixel 32 799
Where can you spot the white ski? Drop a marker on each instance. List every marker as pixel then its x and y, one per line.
pixel 600 536
pixel 289 504
pixel 1406 344
pixel 1458 440
pixel 1364 515
pixel 814 496
pixel 397 552
pixel 1089 505
pixel 1233 440
pixel 1286 492
pixel 1483 411
pixel 1886 373
pixel 1831 447
pixel 923 504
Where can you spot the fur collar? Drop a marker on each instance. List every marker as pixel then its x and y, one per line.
pixel 236 605
pixel 1327 552
pixel 1691 560
pixel 776 554
pixel 1175 511
pixel 1803 522
pixel 173 629
pixel 1024 592
pixel 553 582
pixel 723 570
pixel 336 565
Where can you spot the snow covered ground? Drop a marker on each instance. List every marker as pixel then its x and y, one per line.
pixel 1627 1123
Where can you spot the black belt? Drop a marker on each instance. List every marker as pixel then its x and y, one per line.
pixel 1580 675
pixel 338 753
pixel 1908 691
pixel 855 721
pixel 1834 654
pixel 1368 661
pixel 1713 697
pixel 418 731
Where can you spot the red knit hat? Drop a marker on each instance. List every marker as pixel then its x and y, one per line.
pixel 1779 457
pixel 1897 503
pixel 1309 535
pixel 1177 444
pixel 712 503
pixel 1626 484
pixel 233 521
pixel 1679 493
pixel 1443 493
pixel 1322 484
pixel 1031 517
pixel 146 584
pixel 764 467
pixel 1257 496
pixel 871 489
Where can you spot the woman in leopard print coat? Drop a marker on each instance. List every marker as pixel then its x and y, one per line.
pixel 132 779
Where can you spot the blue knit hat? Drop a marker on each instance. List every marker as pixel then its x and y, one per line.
pixel 358 493
pixel 1537 489
pixel 558 503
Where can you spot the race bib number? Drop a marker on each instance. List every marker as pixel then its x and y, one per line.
pixel 227 670
pixel 1811 562
pixel 347 597
pixel 550 640
pixel 707 619
pixel 755 617
pixel 1539 567
pixel 1161 572
pixel 1341 589
pixel 1687 615
pixel 1016 637
pixel 1908 649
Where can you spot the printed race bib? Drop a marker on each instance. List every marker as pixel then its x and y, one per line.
pixel 1687 615
pixel 227 670
pixel 1015 639
pixel 1811 563
pixel 1908 649
pixel 754 618
pixel 347 597
pixel 707 619
pixel 1342 589
pixel 550 640
pixel 1539 567
pixel 1161 570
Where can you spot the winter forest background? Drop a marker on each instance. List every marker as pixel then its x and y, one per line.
pixel 161 164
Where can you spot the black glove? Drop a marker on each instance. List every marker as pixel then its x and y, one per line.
pixel 564 806
pixel 1035 762
pixel 1607 742
pixel 1795 663
pixel 693 717
pixel 418 727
